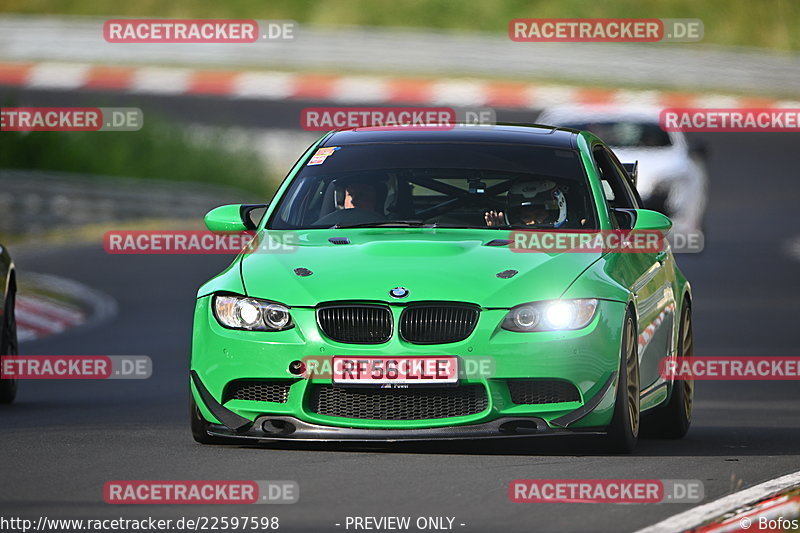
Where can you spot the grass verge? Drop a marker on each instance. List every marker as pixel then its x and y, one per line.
pixel 160 150
pixel 763 23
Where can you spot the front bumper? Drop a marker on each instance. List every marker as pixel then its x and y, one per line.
pixel 588 358
pixel 287 428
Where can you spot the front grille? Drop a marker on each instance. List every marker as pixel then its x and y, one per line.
pixel 398 404
pixel 537 391
pixel 437 324
pixel 257 391
pixel 356 324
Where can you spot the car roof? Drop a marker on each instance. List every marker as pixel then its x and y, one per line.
pixel 532 134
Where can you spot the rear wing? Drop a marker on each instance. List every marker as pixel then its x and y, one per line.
pixel 633 171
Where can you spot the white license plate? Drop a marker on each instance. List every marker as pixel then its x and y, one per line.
pixel 425 370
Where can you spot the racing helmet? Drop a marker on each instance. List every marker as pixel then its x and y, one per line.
pixel 539 202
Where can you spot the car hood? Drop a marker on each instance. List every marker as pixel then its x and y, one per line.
pixel 433 264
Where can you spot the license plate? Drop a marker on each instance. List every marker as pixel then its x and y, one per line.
pixel 395 370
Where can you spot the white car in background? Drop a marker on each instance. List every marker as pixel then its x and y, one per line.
pixel 672 174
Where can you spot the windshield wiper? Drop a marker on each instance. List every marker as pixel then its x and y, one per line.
pixel 383 224
pixel 450 226
pixel 524 226
pixel 421 224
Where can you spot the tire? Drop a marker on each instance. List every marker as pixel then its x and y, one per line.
pixel 672 420
pixel 200 427
pixel 623 433
pixel 9 345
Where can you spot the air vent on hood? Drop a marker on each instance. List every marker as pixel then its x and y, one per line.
pixel 505 274
pixel 498 242
pixel 339 240
pixel 302 272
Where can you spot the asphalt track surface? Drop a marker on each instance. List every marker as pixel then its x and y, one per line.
pixel 63 440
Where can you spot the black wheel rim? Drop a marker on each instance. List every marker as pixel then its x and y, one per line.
pixel 11 344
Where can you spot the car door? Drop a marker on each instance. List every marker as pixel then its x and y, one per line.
pixel 644 273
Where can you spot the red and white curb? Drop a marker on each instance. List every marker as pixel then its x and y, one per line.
pixel 348 89
pixel 47 305
pixel 739 511
pixel 781 509
pixel 39 317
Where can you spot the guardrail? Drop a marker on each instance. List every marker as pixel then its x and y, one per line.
pixel 35 202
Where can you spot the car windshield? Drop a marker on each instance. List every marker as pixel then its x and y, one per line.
pixel 463 185
pixel 626 134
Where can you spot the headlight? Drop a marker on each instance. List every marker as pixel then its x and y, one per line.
pixel 239 312
pixel 551 315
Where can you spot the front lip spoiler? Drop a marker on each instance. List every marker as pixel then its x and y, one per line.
pixel 287 428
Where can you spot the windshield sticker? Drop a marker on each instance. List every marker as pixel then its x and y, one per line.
pixel 319 157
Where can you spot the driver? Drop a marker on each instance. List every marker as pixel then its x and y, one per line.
pixel 531 202
pixel 360 195
pixel 360 206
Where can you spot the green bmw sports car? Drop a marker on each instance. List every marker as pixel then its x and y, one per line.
pixel 391 293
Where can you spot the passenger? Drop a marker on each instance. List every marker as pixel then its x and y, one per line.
pixel 531 203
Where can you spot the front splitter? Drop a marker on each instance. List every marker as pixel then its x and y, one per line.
pixel 285 428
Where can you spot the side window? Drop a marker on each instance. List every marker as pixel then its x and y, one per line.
pixel 625 181
pixel 618 192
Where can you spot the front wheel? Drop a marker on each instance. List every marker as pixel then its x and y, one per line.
pixel 623 433
pixel 8 345
pixel 672 421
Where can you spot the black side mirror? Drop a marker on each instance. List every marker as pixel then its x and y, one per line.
pixel 251 214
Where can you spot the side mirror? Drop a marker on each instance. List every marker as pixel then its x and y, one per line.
pixel 647 219
pixel 233 217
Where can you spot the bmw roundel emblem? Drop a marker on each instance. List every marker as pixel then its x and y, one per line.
pixel 398 292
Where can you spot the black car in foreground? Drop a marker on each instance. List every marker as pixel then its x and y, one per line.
pixel 8 334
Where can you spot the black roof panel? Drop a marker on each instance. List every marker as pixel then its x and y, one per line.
pixel 506 133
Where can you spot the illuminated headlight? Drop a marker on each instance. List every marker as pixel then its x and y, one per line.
pixel 239 312
pixel 552 315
